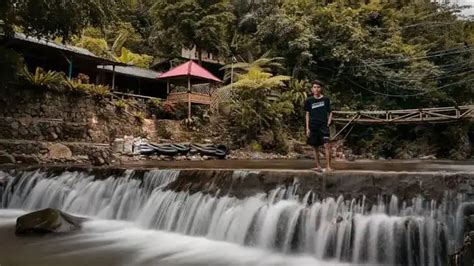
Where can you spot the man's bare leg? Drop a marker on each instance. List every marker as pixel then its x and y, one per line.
pixel 316 157
pixel 327 148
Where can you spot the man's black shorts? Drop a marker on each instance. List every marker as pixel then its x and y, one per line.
pixel 318 135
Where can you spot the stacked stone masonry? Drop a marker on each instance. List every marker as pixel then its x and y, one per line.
pixel 33 120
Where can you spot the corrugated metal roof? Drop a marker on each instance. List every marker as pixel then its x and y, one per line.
pixel 64 47
pixel 132 71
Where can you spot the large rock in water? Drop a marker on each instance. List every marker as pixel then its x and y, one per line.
pixel 47 221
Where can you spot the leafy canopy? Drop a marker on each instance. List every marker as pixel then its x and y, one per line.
pixel 192 23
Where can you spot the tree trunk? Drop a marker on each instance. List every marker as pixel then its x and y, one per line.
pixel 199 51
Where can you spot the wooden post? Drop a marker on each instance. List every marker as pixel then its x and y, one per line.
pixel 139 86
pixel 189 97
pixel 167 87
pixel 113 77
pixel 70 70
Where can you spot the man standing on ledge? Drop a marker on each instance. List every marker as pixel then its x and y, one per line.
pixel 318 118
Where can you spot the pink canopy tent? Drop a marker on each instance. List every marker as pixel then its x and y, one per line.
pixel 190 71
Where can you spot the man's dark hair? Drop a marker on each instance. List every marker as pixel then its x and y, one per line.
pixel 318 82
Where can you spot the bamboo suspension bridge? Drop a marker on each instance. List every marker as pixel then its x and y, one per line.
pixel 401 117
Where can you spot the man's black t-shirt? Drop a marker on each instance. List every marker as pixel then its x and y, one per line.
pixel 319 110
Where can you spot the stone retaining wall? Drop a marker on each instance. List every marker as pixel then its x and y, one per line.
pixel 48 116
pixel 35 122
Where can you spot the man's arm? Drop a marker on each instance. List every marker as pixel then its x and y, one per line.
pixel 329 112
pixel 307 124
pixel 330 118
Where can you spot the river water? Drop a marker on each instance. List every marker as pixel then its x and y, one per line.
pixel 139 222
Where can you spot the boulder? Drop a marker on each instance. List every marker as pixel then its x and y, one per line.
pixel 96 159
pixel 6 158
pixel 15 125
pixel 52 136
pixel 118 145
pixel 47 221
pixel 59 151
pixel 99 158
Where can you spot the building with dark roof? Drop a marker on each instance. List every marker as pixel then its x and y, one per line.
pixel 73 60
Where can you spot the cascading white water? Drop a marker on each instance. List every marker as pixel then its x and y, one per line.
pixel 122 243
pixel 392 232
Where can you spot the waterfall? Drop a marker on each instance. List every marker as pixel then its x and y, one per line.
pixel 390 231
pixel 80 193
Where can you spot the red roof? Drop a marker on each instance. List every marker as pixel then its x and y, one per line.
pixel 189 69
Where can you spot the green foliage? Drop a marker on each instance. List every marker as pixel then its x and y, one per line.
pixel 264 63
pixel 96 45
pixel 94 41
pixel 298 91
pixel 180 110
pixel 44 79
pixel 131 58
pixel 96 90
pixel 155 102
pixel 255 147
pixel 56 81
pixel 100 91
pixel 168 110
pixel 140 116
pixel 120 104
pixel 257 105
pixel 190 23
pixel 370 56
pixel 123 34
pixel 54 17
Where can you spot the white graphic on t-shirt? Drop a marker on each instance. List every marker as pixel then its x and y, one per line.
pixel 317 105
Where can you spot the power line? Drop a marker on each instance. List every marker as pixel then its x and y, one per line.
pixel 418 24
pixel 439 77
pixel 406 95
pixel 395 61
pixel 384 94
pixel 382 62
pixel 399 95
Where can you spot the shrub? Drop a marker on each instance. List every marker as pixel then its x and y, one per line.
pixel 258 104
pixel 180 110
pixel 83 78
pixel 168 110
pixel 255 147
pixel 47 79
pixel 100 91
pixel 155 102
pixel 120 104
pixel 140 116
